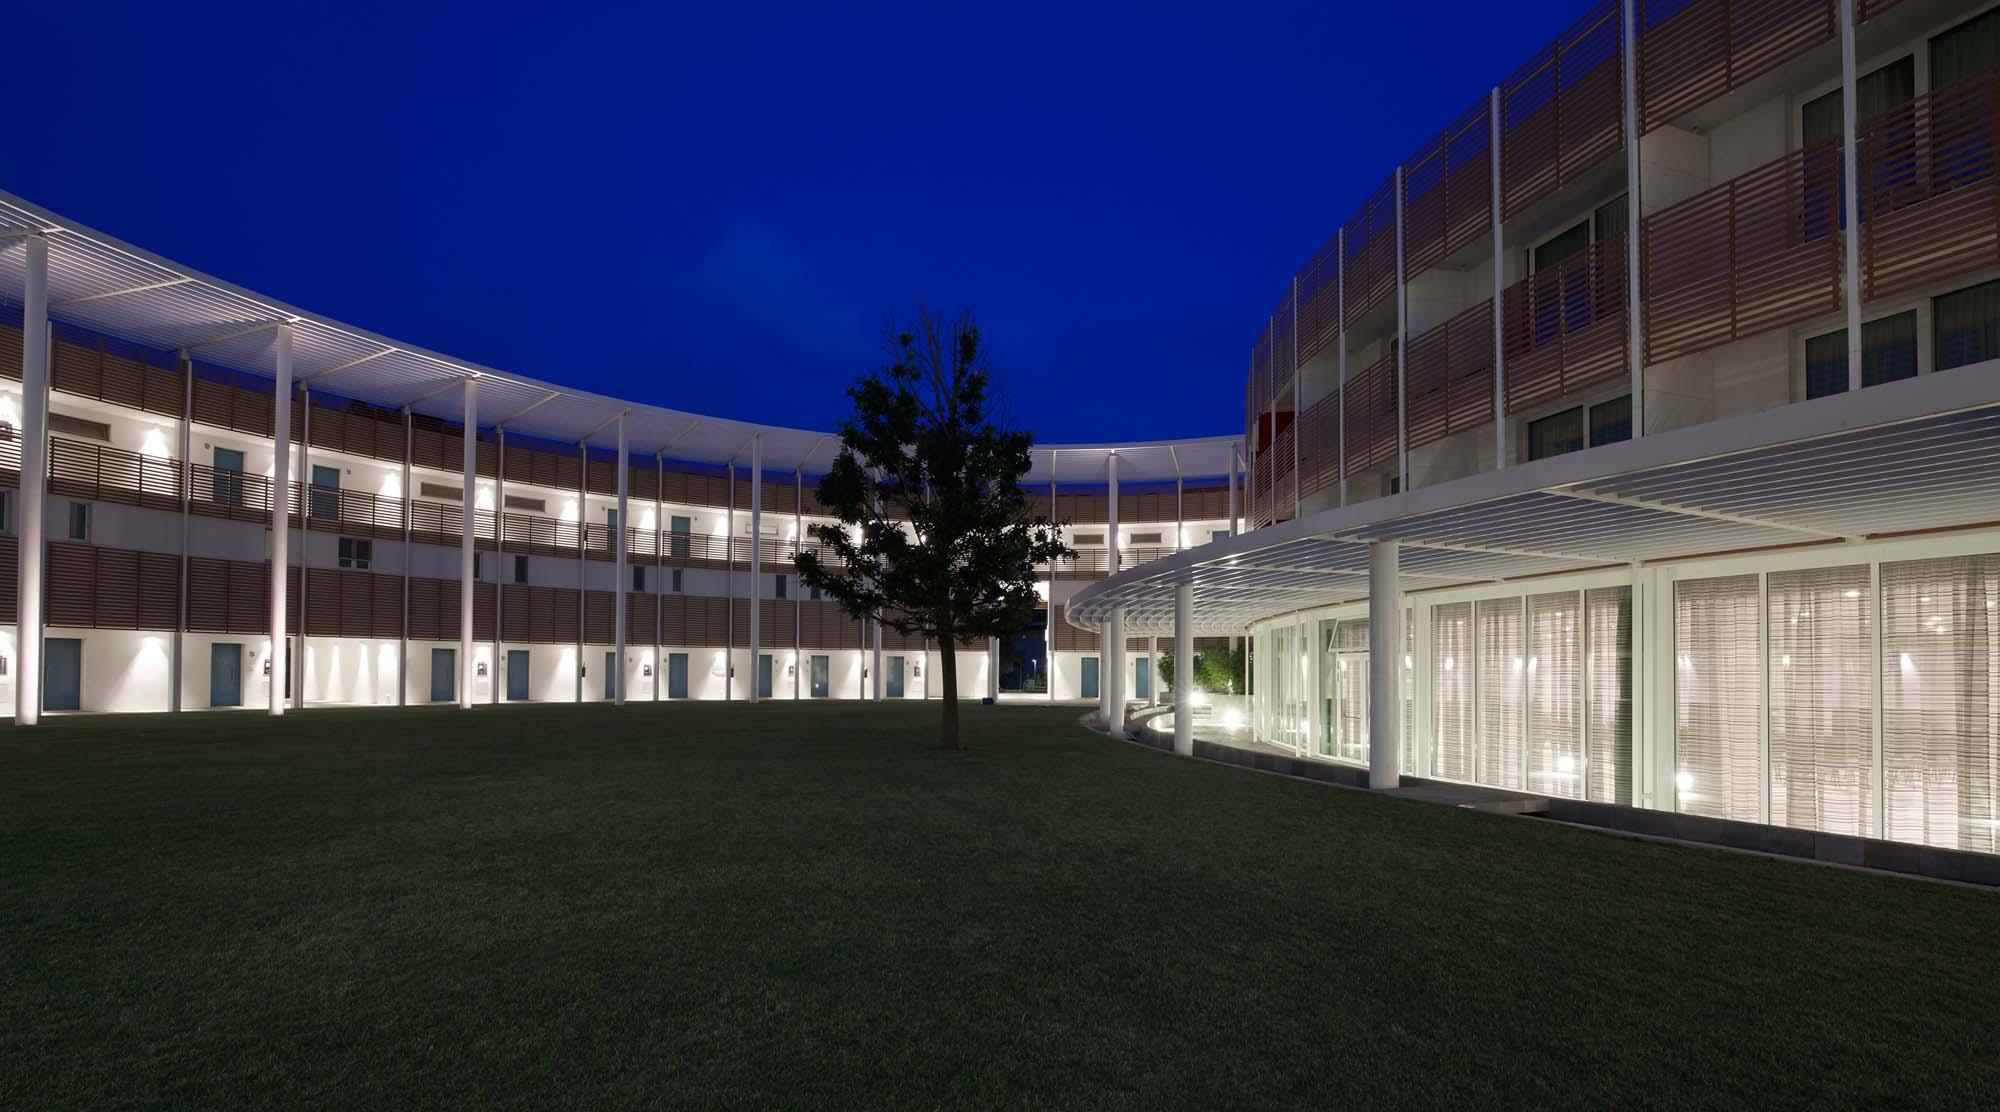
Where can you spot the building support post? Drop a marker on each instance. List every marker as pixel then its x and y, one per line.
pixel 1385 675
pixel 469 512
pixel 305 522
pixel 756 562
pixel 409 502
pixel 993 668
pixel 1340 357
pixel 499 562
pixel 582 564
pixel 34 480
pixel 1112 681
pixel 798 597
pixel 660 541
pixel 1402 351
pixel 618 597
pixel 1634 323
pixel 1184 670
pixel 729 591
pixel 1850 171
pixel 281 532
pixel 187 535
pixel 1493 130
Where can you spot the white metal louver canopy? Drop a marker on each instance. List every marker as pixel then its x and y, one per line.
pixel 1917 455
pixel 108 286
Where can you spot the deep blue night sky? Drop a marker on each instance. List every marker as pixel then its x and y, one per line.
pixel 716 207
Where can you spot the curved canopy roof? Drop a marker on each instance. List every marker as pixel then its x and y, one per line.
pixel 109 286
pixel 1918 455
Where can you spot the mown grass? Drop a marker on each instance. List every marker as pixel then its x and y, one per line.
pixel 807 906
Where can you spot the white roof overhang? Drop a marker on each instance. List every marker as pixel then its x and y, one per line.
pixel 1918 455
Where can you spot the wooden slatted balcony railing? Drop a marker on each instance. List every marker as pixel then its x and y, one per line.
pixel 1371 252
pixel 1448 191
pixel 1450 373
pixel 234 495
pixel 1865 10
pixel 1319 301
pixel 10 459
pixel 1564 326
pixel 1564 111
pixel 1693 51
pixel 1371 415
pixel 1319 445
pixel 1929 176
pixel 443 523
pixel 101 473
pixel 1095 563
pixel 1284 350
pixel 355 513
pixel 1759 252
pixel 1285 492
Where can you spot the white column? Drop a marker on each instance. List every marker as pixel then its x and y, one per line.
pixel 281 536
pixel 305 520
pixel 34 479
pixel 1114 671
pixel 1111 533
pixel 798 595
pixel 1152 671
pixel 582 565
pixel 993 668
pixel 1235 467
pixel 1850 198
pixel 729 593
pixel 756 557
pixel 1635 333
pixel 1499 286
pixel 469 511
pixel 1340 357
pixel 1184 670
pixel 1385 671
pixel 875 666
pixel 403 650
pixel 1402 350
pixel 500 568
pixel 187 496
pixel 618 597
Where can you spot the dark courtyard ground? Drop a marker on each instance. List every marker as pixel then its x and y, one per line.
pixel 806 906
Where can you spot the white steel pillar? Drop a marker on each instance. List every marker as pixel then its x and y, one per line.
pixel 1152 671
pixel 1113 677
pixel 187 496
pixel 993 668
pixel 469 512
pixel 756 558
pixel 1235 465
pixel 305 522
pixel 1493 130
pixel 403 650
pixel 618 597
pixel 1385 673
pixel 281 535
pixel 500 568
pixel 1340 357
pixel 1634 324
pixel 34 480
pixel 1111 532
pixel 1184 670
pixel 1402 351
pixel 798 596
pixel 582 565
pixel 1850 177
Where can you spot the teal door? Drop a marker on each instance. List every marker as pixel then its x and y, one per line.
pixel 677 675
pixel 764 676
pixel 62 673
pixel 517 675
pixel 444 670
pixel 1090 677
pixel 894 665
pixel 1142 678
pixel 679 528
pixel 611 671
pixel 325 493
pixel 228 484
pixel 225 675
pixel 819 677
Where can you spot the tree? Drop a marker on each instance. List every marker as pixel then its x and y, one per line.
pixel 1216 671
pixel 935 536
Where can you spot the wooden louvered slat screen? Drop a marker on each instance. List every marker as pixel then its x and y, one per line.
pixel 1319 301
pixel 484 622
pixel 1822 716
pixel 1693 51
pixel 1450 371
pixel 1608 678
pixel 1448 191
pixel 640 625
pixel 1319 461
pixel 1371 252
pixel 1563 111
pixel 1502 681
pixel 516 619
pixel 1564 326
pixel 70 585
pixel 1756 253
pixel 1930 188
pixel 599 617
pixel 1371 415
pixel 1718 698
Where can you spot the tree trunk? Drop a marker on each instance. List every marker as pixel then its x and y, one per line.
pixel 948 665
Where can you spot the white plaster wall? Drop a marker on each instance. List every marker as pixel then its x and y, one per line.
pixel 1673 166
pixel 1749 139
pixel 123 670
pixel 350 671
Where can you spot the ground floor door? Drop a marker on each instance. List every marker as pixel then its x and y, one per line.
pixel 677 675
pixel 1089 677
pixel 225 674
pixel 1024 657
pixel 62 673
pixel 444 670
pixel 517 675
pixel 764 675
pixel 893 674
pixel 1350 676
pixel 1142 678
pixel 819 677
pixel 611 676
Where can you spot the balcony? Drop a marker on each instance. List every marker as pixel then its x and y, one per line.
pixel 1693 51
pixel 1563 327
pixel 1450 376
pixel 1371 416
pixel 1564 111
pixel 1930 208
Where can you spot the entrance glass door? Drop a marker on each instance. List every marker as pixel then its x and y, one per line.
pixel 764 675
pixel 820 682
pixel 62 676
pixel 1089 686
pixel 444 672
pixel 228 478
pixel 325 493
pixel 677 675
pixel 894 676
pixel 225 675
pixel 517 675
pixel 611 676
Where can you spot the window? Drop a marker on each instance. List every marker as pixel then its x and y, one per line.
pixel 677 581
pixel 1218 535
pixel 679 527
pixel 1965 49
pixel 1146 538
pixel 79 426
pixel 325 502
pixel 1874 93
pixel 638 578
pixel 1562 246
pixel 1089 538
pixel 778 586
pixel 1888 353
pixel 1556 434
pixel 1966 326
pixel 813 593
pixel 228 477
pixel 6 511
pixel 356 553
pixel 1608 222
pixel 523 502
pixel 1392 484
pixel 1611 421
pixel 520 569
pixel 478 565
pixel 79 521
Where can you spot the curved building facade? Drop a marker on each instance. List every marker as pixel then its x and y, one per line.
pixel 1634 443
pixel 447 532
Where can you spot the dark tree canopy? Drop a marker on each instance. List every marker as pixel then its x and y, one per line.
pixel 935 535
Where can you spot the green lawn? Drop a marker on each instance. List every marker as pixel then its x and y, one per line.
pixel 807 906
